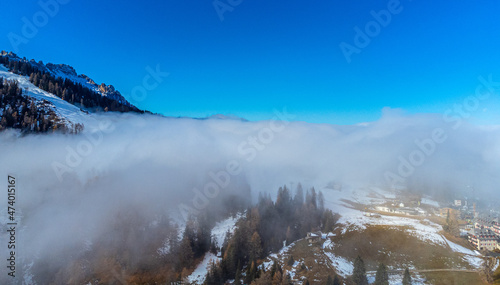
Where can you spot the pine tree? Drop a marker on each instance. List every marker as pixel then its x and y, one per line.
pixel 321 202
pixel 274 268
pixel 214 274
pixel 289 235
pixel 382 277
pixel 407 277
pixel 329 281
pixel 237 277
pixel 290 261
pixel 255 247
pixel 298 200
pixel 336 280
pixel 329 220
pixel 251 273
pixel 359 272
pixel 278 278
pixel 186 255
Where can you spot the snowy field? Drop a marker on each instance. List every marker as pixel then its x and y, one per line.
pixel 425 230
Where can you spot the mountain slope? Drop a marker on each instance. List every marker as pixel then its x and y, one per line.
pixel 64 110
pixel 65 71
pixel 37 98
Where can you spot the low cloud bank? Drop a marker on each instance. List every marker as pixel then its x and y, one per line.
pixel 69 188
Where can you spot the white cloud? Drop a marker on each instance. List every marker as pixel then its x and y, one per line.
pixel 152 163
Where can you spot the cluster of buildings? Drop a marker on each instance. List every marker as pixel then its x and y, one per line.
pixel 401 209
pixel 314 237
pixel 486 234
pixel 482 233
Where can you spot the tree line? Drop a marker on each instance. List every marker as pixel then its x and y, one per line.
pixel 27 114
pixel 381 276
pixel 265 229
pixel 69 91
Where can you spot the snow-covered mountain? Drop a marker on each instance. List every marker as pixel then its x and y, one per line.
pixel 68 112
pixel 37 97
pixel 68 72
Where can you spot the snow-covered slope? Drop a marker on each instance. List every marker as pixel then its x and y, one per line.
pixel 218 233
pixel 68 72
pixel 63 109
pixel 422 228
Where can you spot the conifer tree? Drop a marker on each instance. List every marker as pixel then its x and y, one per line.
pixel 382 277
pixel 237 276
pixel 336 280
pixel 359 272
pixel 407 277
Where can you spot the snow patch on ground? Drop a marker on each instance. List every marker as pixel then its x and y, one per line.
pixel 343 266
pixel 199 274
pixel 426 231
pixel 496 265
pixel 328 244
pixel 268 263
pixel 461 249
pixel 474 261
pixel 354 220
pixel 218 233
pixel 221 228
pixel 165 249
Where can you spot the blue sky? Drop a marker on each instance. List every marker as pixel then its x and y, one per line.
pixel 267 55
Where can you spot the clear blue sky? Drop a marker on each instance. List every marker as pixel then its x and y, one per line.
pixel 272 54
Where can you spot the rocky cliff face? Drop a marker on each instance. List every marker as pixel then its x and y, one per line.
pixel 68 72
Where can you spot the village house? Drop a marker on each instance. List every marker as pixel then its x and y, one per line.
pixel 384 209
pixel 495 227
pixel 492 225
pixel 484 239
pixel 313 237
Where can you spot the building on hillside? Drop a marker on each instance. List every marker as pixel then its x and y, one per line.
pixel 495 227
pixel 490 224
pixel 484 239
pixel 314 237
pixel 384 209
pixel 465 228
pixel 406 211
pixel 457 203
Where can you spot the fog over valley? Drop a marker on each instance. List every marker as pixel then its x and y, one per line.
pixel 177 167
